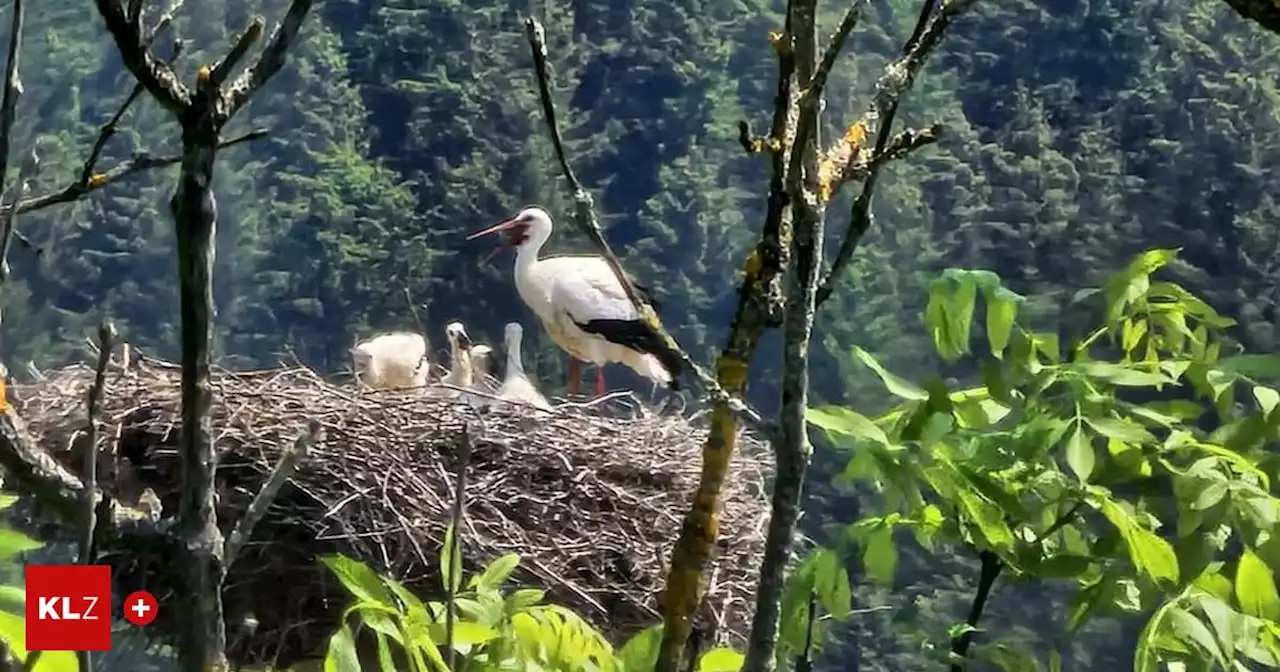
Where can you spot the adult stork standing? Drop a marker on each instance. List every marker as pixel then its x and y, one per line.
pixel 583 307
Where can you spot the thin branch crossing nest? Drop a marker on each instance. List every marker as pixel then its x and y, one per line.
pixel 591 503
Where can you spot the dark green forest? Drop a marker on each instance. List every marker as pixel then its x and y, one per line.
pixel 1077 134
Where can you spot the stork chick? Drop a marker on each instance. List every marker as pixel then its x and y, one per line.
pixel 392 360
pixel 583 307
pixel 516 385
pixel 481 368
pixel 459 355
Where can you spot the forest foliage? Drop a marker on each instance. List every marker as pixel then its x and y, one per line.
pixel 1145 125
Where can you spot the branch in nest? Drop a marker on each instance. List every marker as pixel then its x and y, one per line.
pixel 892 85
pixel 587 222
pixel 269 63
pixel 258 508
pixel 89 493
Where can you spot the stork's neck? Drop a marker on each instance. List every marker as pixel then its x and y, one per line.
pixel 514 365
pixel 461 366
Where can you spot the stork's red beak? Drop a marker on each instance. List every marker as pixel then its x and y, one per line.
pixel 500 226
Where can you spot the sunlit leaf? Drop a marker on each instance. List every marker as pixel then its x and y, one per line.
pixel 1080 455
pixel 1256 587
pixel 1253 366
pixel 880 556
pixel 1149 553
pixel 358 579
pixel 720 660
pixel 450 561
pixel 498 571
pixel 341 656
pixel 641 651
pixel 899 387
pixel 847 422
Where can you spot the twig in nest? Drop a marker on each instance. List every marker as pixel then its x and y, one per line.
pixel 454 551
pixel 106 335
pixel 258 508
pixel 587 222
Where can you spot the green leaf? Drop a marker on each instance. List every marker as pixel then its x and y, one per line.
pixel 342 652
pixel 641 651
pixel 497 572
pixel 1253 366
pixel 1256 588
pixel 1121 374
pixel 1190 627
pixel 898 387
pixel 525 597
pixel 450 562
pixel 1064 566
pixel 831 583
pixel 720 660
pixel 1150 554
pixel 359 580
pixel 846 422
pixel 466 634
pixel 1120 430
pixel 1080 455
pixel 1002 311
pixel 13 542
pixel 1266 397
pixel 7 500
pixel 880 556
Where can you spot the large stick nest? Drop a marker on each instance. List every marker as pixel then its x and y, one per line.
pixel 591 503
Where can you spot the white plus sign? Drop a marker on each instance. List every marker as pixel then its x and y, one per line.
pixel 141 608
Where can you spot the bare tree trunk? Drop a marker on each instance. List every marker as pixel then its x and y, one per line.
pixel 194 211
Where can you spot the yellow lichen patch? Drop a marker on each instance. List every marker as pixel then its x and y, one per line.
pixel 775 144
pixel 855 135
pixel 203 75
pixel 752 267
pixel 4 398
pixel 97 180
pixel 775 36
pixel 732 373
pixel 757 145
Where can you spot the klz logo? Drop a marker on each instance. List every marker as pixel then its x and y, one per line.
pixel 68 608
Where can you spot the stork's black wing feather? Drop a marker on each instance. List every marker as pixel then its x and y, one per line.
pixel 645 293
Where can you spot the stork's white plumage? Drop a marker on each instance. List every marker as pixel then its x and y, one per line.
pixel 583 306
pixel 516 385
pixel 459 356
pixel 392 360
pixel 481 364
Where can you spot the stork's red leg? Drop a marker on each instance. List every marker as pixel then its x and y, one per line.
pixel 574 374
pixel 599 381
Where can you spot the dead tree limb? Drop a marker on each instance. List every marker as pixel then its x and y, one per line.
pixel 586 220
pixel 202 111
pixel 88 497
pixel 892 85
pixel 791 445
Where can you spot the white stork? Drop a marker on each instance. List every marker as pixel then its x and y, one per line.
pixel 516 385
pixel 583 306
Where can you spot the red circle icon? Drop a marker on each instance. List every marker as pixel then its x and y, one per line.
pixel 140 607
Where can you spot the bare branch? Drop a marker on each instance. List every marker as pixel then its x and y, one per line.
pixel 791 445
pixel 892 85
pixel 8 210
pixel 587 222
pixel 453 554
pixel 157 77
pixel 140 162
pixel 283 470
pixel 89 494
pixel 252 33
pixel 12 87
pixel 269 63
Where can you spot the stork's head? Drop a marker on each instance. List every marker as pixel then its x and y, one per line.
pixel 531 226
pixel 513 333
pixel 457 335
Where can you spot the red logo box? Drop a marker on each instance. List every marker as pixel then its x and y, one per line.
pixel 68 608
